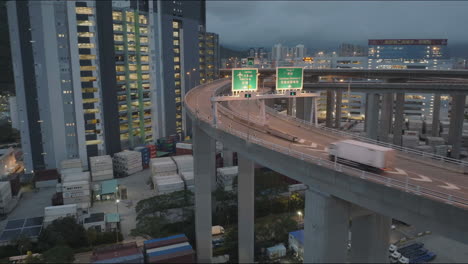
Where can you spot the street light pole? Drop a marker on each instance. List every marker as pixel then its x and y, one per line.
pixel 117 224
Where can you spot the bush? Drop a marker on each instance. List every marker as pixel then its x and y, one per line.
pixel 63 232
pixel 58 254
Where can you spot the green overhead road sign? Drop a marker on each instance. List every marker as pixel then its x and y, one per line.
pixel 244 80
pixel 289 78
pixel 250 61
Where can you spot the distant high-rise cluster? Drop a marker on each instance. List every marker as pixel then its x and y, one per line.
pixel 351 50
pixel 95 77
pixel 281 53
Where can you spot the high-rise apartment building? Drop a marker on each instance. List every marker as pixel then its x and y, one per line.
pixel 209 56
pixel 93 77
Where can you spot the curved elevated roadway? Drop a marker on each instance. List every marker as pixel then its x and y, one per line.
pixel 416 191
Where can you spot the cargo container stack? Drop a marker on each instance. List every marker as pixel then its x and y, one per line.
pixel 71 164
pixel 410 141
pixel 145 156
pixel 52 213
pixel 184 148
pixel 101 168
pixel 165 177
pixel 152 151
pixel 119 253
pixel 185 169
pixel 127 163
pixel 415 125
pixel 76 189
pixel 173 249
pixel 225 177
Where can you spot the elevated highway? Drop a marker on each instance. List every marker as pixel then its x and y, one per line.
pixel 416 191
pixel 407 74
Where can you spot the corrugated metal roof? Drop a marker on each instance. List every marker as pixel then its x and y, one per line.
pixel 298 235
pixel 109 187
pixel 162 239
pixel 112 218
pixel 170 251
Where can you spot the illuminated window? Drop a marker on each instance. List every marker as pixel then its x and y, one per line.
pixel 144 40
pixel 176 59
pixel 120 68
pixel 88 79
pixel 133 76
pixel 88 68
pixel 118 27
pixel 118 37
pixel 143 30
pixel 145 76
pixel 116 15
pixel 144 58
pixel 86 34
pixel 176 50
pixel 176 42
pixel 176 67
pixel 175 24
pixel 86 45
pixel 145 67
pixel 143 20
pixel 86 23
pixel 132 67
pixel 84 10
pixel 130 17
pixel 119 47
pixel 177 75
pixel 130 37
pixel 175 34
pixel 144 49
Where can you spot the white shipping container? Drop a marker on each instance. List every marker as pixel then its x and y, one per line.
pixel 363 153
pixel 181 145
pixel 69 209
pixel 76 194
pixel 76 177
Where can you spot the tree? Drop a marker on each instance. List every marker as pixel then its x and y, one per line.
pixel 23 243
pixel 58 254
pixel 63 232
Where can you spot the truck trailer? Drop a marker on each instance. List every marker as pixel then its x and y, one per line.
pixel 363 155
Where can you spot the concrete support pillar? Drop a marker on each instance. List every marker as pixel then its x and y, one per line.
pixel 339 100
pixel 436 116
pixel 457 115
pixel 228 158
pixel 246 198
pixel 204 148
pixel 290 110
pixel 330 106
pixel 326 227
pixel 386 116
pixel 399 118
pixel 308 109
pixel 300 113
pixel 370 238
pixel 372 114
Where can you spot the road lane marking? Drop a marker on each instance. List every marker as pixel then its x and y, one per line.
pixel 398 171
pixel 422 178
pixel 449 186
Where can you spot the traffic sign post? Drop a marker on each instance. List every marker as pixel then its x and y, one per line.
pixel 289 78
pixel 244 80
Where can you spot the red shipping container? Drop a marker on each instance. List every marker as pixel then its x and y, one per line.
pixel 186 256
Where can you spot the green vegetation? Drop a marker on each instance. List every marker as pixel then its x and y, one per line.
pixel 152 218
pixel 58 254
pixel 96 238
pixel 63 231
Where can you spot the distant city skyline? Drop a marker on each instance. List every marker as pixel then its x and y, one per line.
pixel 243 24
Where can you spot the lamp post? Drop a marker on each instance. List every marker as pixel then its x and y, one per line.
pixel 117 224
pixel 299 213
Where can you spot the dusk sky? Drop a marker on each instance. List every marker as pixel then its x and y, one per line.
pixel 326 24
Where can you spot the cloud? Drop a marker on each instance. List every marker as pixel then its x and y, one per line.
pixel 324 23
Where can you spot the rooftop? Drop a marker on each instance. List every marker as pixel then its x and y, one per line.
pixel 298 235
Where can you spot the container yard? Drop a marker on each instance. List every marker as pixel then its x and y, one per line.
pixel 77 192
pixel 127 163
pixel 183 148
pixel 55 212
pixel 168 184
pixel 173 249
pixel 145 156
pixel 184 163
pixel 225 177
pixel 120 253
pixel 101 168
pixel 163 166
pixel 70 164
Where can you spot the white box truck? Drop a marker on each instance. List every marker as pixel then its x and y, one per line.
pixel 363 155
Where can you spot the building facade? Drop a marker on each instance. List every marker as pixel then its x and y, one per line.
pixel 429 54
pixel 209 57
pixel 96 77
